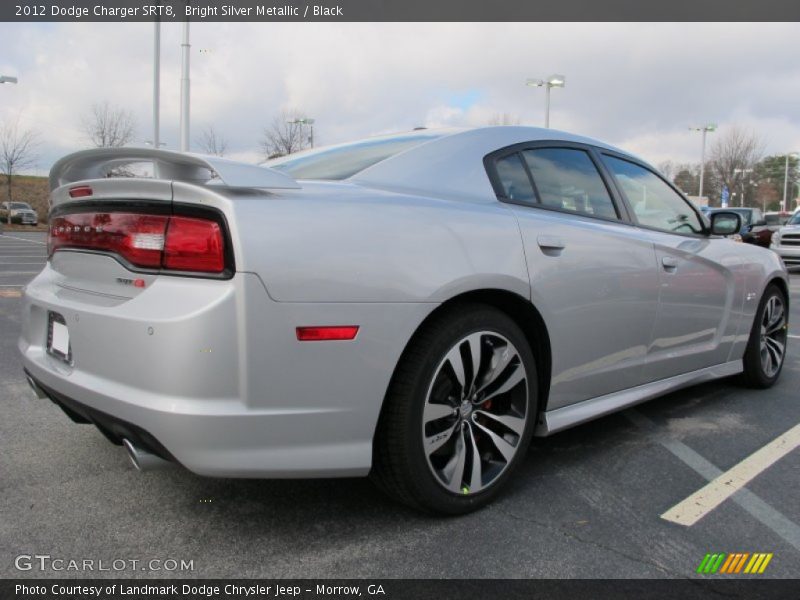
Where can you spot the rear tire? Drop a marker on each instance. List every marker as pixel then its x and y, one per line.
pixel 459 413
pixel 766 348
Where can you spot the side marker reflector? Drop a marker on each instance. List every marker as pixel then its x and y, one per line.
pixel 81 191
pixel 327 333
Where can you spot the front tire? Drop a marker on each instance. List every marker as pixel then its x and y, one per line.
pixel 766 348
pixel 459 413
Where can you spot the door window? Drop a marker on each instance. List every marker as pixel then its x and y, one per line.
pixel 654 203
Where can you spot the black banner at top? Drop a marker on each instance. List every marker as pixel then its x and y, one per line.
pixel 399 10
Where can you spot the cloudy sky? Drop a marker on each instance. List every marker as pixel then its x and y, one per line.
pixel 638 86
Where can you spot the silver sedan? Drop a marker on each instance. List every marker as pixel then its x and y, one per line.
pixel 414 307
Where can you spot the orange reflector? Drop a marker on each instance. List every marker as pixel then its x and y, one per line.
pixel 327 332
pixel 81 191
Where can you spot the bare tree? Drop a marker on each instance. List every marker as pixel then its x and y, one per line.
pixel 18 150
pixel 284 135
pixel 504 119
pixel 735 151
pixel 108 126
pixel 212 142
pixel 668 169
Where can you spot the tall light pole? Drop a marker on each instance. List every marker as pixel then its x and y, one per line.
pixel 743 173
pixel 305 121
pixel 8 79
pixel 185 46
pixel 549 83
pixel 704 129
pixel 156 84
pixel 786 181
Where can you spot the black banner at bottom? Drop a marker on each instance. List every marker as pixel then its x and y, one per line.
pixel 394 589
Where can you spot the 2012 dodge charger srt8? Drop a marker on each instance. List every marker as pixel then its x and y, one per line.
pixel 414 307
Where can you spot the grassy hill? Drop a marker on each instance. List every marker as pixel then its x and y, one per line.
pixel 33 190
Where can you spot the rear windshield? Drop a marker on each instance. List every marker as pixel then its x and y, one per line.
pixel 341 162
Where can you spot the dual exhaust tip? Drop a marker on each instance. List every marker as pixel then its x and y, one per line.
pixel 39 392
pixel 143 460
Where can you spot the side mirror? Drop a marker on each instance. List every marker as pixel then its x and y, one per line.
pixel 725 223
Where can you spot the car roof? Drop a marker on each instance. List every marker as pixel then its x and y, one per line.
pixel 459 152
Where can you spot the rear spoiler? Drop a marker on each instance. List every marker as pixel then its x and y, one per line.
pixel 174 166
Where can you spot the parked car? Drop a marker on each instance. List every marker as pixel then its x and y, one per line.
pixel 755 229
pixel 21 213
pixel 776 219
pixel 414 307
pixel 786 241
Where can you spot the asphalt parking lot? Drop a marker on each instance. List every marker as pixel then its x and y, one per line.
pixel 586 504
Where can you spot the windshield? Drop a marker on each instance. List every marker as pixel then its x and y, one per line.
pixel 19 205
pixel 795 220
pixel 341 162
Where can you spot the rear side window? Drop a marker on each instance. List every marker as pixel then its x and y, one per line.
pixel 654 203
pixel 514 179
pixel 567 179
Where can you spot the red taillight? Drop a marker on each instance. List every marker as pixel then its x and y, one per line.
pixel 327 332
pixel 194 245
pixel 139 239
pixel 148 241
pixel 81 191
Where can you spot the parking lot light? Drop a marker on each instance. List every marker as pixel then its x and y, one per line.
pixel 7 79
pixel 786 180
pixel 305 121
pixel 704 129
pixel 551 82
pixel 743 172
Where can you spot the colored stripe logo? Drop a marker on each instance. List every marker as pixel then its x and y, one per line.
pixel 735 563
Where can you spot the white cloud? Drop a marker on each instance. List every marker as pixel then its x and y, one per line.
pixel 635 85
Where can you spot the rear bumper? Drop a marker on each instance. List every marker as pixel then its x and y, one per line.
pixel 116 430
pixel 212 373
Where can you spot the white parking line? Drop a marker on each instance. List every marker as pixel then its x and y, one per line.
pixel 12 237
pixel 698 505
pixel 765 514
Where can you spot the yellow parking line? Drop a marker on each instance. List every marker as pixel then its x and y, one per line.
pixel 698 505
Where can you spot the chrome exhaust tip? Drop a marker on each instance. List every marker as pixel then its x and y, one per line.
pixel 143 460
pixel 40 394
